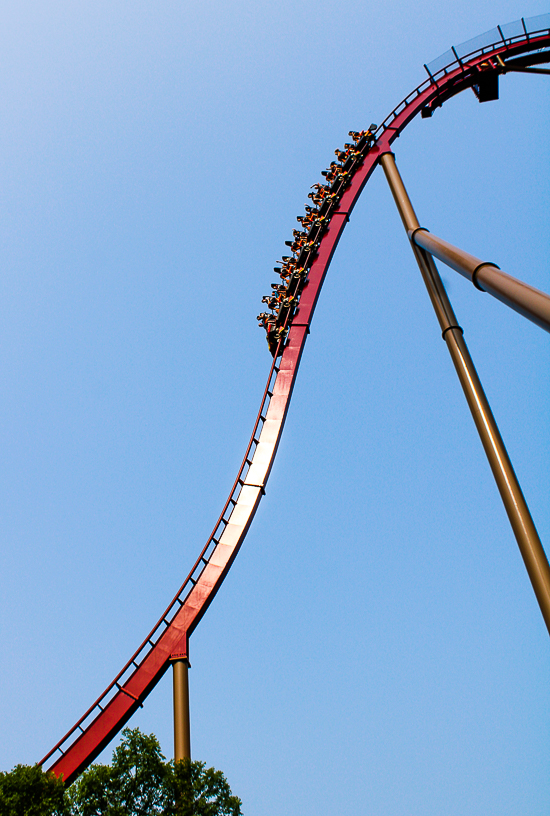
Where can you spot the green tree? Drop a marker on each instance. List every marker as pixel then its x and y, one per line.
pixel 134 785
pixel 139 782
pixel 29 791
pixel 199 791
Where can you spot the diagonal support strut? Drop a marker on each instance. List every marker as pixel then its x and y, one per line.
pixel 487 277
pixel 524 529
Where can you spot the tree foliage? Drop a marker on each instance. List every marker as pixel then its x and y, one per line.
pixel 199 791
pixel 139 782
pixel 29 791
pixel 135 782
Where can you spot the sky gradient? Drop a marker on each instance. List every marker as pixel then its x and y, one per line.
pixel 376 648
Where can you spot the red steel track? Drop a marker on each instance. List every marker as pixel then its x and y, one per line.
pixel 106 717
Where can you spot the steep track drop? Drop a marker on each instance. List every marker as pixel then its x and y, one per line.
pixel 476 64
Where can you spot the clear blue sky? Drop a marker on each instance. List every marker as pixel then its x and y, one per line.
pixel 377 648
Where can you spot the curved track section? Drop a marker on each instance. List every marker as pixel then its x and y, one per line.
pixel 517 44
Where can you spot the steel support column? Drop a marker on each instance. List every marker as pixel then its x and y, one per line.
pixel 524 529
pixel 488 277
pixel 182 725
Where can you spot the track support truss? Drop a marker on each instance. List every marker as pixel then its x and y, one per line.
pixel 523 526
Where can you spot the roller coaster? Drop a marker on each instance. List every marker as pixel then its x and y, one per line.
pixel 477 64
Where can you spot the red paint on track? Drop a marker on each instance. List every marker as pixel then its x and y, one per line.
pixel 107 716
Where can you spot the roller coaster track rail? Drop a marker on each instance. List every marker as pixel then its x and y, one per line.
pixel 515 46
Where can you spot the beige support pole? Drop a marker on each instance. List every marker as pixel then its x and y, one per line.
pixel 524 529
pixel 528 301
pixel 182 726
